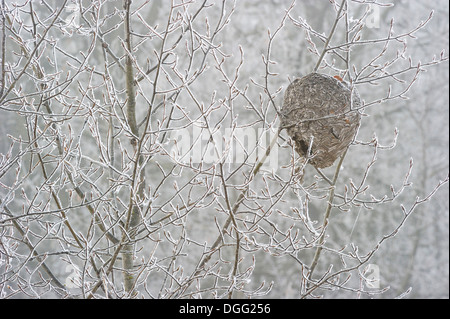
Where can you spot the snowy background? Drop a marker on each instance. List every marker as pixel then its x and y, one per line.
pixel 281 218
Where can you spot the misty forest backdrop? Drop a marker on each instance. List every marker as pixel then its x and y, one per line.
pixel 132 138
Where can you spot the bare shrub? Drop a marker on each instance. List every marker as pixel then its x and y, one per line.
pixel 141 152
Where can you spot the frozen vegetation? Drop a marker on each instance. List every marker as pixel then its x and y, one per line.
pixel 141 153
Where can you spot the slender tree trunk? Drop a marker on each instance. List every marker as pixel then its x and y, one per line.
pixel 137 187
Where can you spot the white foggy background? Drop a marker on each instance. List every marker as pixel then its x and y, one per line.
pixel 418 256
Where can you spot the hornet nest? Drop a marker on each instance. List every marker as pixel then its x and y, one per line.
pixel 321 112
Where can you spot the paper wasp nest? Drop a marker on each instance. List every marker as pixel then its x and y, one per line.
pixel 317 107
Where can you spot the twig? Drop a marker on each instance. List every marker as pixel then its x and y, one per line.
pixel 326 217
pixel 333 28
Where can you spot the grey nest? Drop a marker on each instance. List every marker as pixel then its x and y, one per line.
pixel 321 115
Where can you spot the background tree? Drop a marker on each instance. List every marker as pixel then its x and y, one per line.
pixel 141 153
